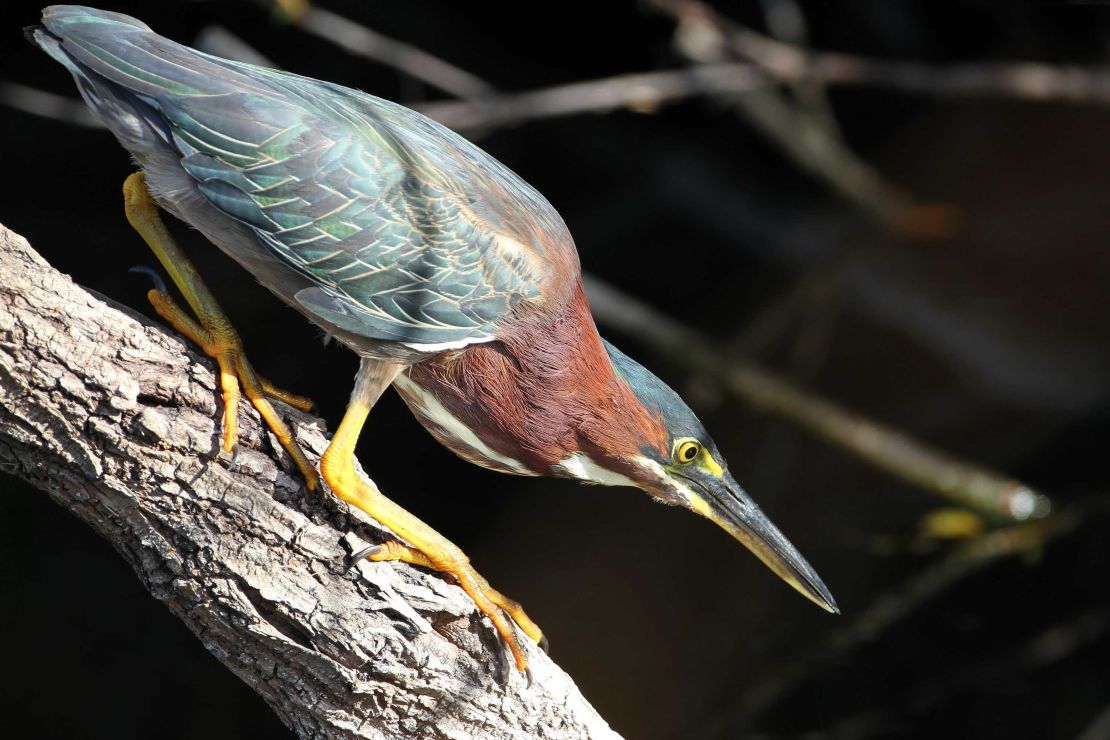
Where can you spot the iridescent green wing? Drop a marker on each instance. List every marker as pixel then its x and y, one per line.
pixel 408 232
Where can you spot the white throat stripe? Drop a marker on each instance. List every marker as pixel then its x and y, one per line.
pixel 580 466
pixel 434 411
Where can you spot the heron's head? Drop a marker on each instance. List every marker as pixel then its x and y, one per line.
pixel 679 464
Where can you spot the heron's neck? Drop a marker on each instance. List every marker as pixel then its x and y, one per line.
pixel 544 396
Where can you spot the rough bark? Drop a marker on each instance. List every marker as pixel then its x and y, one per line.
pixel 117 421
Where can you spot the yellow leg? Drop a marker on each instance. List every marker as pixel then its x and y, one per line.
pixel 426 547
pixel 213 332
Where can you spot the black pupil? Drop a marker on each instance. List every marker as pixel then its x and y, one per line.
pixel 690 452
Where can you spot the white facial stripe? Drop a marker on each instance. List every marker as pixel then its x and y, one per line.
pixel 444 346
pixel 659 471
pixel 580 466
pixel 433 411
pixel 681 492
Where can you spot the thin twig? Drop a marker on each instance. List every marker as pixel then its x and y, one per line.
pixel 703 36
pixel 640 92
pixel 893 606
pixel 1044 651
pixel 786 22
pixel 887 449
pixel 481 108
pixel 46 104
pixel 1098 728
pixel 650 90
pixel 785 311
pixel 221 42
pixel 1030 81
pixel 1024 81
pixel 369 44
pixel 783 62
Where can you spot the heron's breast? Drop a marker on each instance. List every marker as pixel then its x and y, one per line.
pixel 450 431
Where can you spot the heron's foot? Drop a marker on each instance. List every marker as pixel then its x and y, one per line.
pixel 301 403
pixel 219 340
pixel 211 330
pixel 489 600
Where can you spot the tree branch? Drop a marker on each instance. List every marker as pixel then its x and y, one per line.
pixel 117 421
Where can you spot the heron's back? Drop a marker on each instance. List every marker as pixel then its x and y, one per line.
pixel 370 218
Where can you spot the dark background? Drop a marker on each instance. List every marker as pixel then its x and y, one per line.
pixel 990 344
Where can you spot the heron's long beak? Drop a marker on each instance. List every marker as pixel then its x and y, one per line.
pixel 725 502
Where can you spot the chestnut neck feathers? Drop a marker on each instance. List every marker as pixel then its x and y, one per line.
pixel 543 392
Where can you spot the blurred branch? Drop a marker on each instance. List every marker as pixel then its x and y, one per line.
pixel 885 448
pixel 648 91
pixel 369 44
pixel 1049 647
pixel 46 104
pixel 483 108
pixel 117 421
pixel 788 308
pixel 786 22
pixel 810 139
pixel 895 605
pixel 221 42
pixel 1030 81
pixel 640 92
pixel 772 62
pixel 1099 727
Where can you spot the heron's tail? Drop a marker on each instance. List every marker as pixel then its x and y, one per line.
pixel 136 82
pixel 126 52
pixel 119 82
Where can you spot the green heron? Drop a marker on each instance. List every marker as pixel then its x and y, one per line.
pixel 454 281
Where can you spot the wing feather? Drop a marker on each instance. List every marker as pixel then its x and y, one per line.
pixel 406 231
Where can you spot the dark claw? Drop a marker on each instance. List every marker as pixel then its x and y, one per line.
pixel 364 552
pixel 528 675
pixel 234 458
pixel 545 645
pixel 159 283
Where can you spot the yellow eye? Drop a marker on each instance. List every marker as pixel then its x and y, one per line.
pixel 687 452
